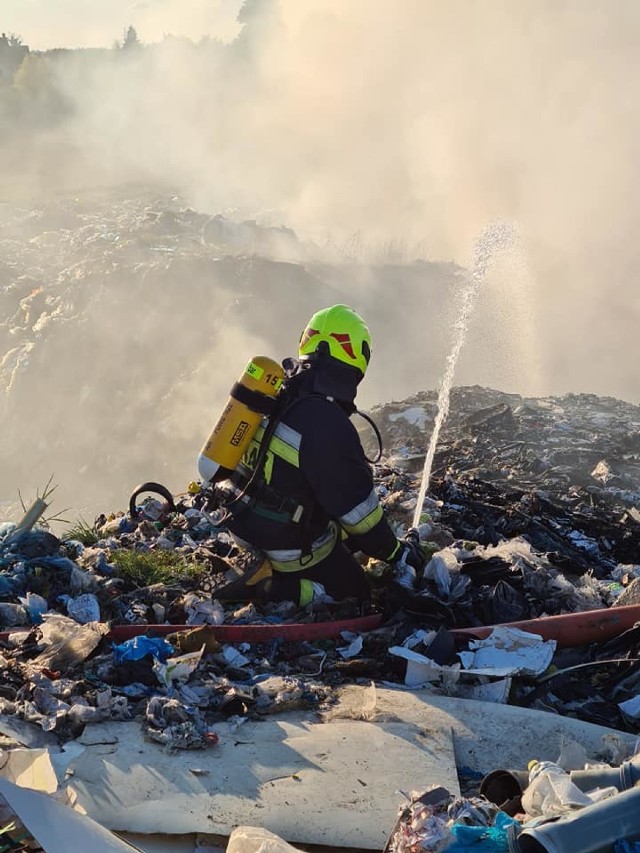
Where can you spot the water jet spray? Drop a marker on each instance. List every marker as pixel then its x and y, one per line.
pixel 493 241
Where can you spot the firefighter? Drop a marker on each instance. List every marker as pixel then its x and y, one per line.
pixel 305 497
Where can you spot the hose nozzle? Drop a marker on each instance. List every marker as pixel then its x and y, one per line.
pixel 413 535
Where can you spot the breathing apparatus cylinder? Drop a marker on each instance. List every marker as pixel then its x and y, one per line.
pixel 252 398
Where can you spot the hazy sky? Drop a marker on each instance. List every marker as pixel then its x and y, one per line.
pixel 44 24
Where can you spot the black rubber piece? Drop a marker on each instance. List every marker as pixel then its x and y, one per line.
pixel 155 488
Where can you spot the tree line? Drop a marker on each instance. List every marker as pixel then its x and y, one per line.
pixel 37 87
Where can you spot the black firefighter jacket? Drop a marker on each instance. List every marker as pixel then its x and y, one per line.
pixel 318 489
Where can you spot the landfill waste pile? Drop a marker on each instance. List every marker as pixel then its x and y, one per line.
pixel 532 512
pixel 552 807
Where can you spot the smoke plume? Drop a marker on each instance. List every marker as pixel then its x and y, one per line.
pixel 381 133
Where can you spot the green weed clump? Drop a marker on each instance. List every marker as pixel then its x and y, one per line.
pixel 149 567
pixel 83 532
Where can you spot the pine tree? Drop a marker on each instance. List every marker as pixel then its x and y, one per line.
pixel 131 40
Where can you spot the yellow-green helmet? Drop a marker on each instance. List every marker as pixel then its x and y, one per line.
pixel 343 331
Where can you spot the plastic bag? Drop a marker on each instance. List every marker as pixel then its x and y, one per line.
pixel 6 529
pixel 84 608
pixel 490 839
pixel 203 611
pixel 139 647
pixel 9 584
pixel 66 642
pixel 253 839
pixel 439 569
pixel 12 615
pixel 178 669
pixel 82 581
pixel 36 605
pixel 551 791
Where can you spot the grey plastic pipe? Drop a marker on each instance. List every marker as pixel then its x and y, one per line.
pixel 594 829
pixel 622 778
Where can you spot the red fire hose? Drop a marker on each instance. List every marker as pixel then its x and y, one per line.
pixel 568 629
pixel 246 633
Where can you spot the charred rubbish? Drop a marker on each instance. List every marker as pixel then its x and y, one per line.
pixel 522 523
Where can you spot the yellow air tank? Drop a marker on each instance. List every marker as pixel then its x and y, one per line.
pixel 251 399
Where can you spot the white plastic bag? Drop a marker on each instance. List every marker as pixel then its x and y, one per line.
pixel 253 839
pixel 439 570
pixel 84 608
pixel 551 791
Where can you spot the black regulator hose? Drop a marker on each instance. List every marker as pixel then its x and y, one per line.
pixel 373 424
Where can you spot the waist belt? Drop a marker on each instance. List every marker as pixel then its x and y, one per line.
pixel 285 517
pixel 269 504
pixel 294 560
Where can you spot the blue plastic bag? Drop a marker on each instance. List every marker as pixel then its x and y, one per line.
pixel 482 839
pixel 139 647
pixel 9 584
pixel 55 561
pixel 627 847
pixel 6 529
pixel 35 606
